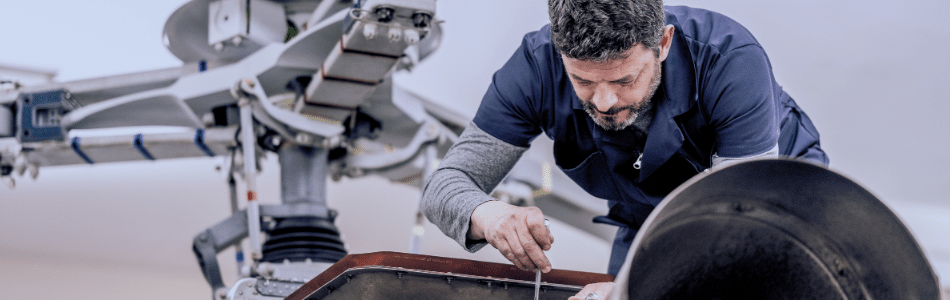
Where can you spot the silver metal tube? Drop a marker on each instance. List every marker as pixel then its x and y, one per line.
pixel 232 189
pixel 303 175
pixel 418 231
pixel 249 142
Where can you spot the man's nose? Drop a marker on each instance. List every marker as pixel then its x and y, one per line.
pixel 604 99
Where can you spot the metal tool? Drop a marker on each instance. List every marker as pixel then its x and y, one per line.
pixel 537 283
pixel 537 271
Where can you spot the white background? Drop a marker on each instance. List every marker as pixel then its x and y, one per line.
pixel 872 75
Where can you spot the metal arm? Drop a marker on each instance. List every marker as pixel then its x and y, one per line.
pixel 323 99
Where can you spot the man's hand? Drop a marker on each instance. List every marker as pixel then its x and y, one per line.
pixel 598 290
pixel 517 232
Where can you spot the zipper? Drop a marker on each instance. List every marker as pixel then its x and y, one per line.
pixel 636 165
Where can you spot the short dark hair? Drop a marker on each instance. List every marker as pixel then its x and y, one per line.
pixel 602 30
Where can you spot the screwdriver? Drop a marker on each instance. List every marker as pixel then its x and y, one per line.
pixel 537 272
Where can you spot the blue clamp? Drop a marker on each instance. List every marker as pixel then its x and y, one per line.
pixel 140 145
pixel 200 142
pixel 74 143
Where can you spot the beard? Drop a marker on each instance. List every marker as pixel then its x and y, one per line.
pixel 609 119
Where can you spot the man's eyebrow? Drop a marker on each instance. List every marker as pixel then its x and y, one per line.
pixel 578 78
pixel 627 78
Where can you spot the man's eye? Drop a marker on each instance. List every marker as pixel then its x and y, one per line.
pixel 585 83
pixel 625 82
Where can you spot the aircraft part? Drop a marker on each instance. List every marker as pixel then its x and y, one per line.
pixel 775 229
pixel 391 275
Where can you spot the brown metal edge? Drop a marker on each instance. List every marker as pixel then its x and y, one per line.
pixel 445 265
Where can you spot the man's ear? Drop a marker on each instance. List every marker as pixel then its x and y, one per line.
pixel 666 41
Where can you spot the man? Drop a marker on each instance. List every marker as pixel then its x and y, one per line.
pixel 637 101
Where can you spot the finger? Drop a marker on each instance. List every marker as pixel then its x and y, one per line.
pixel 504 247
pixel 539 232
pixel 603 288
pixel 550 237
pixel 583 293
pixel 515 261
pixel 533 254
pixel 522 256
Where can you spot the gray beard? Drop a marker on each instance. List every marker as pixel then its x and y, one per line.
pixel 610 122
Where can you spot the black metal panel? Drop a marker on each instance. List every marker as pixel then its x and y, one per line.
pixel 776 229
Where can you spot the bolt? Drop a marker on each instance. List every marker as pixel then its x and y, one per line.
pixel 304 139
pixel 421 20
pixel 369 31
pixel 34 171
pixel 395 33
pixel 433 130
pixel 385 14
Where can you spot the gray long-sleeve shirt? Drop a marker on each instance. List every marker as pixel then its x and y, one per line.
pixel 470 170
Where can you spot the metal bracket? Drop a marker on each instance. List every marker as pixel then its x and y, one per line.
pixel 39 116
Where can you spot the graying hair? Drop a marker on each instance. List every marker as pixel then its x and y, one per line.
pixel 601 30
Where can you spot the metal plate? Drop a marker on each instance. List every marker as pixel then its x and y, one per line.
pixel 776 229
pixel 391 275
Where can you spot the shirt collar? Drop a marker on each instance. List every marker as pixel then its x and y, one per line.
pixel 680 94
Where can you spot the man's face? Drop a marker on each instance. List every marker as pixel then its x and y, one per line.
pixel 615 92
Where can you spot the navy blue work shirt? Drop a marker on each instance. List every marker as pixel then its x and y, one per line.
pixel 717 96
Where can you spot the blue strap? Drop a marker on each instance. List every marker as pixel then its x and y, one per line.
pixel 139 145
pixel 200 142
pixel 74 143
